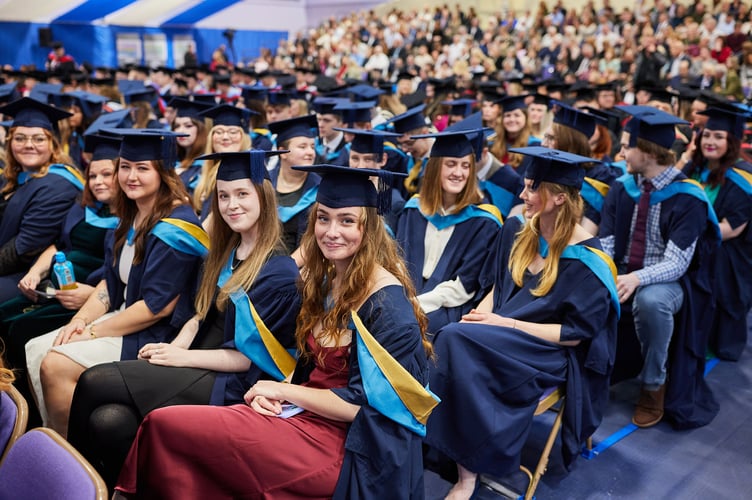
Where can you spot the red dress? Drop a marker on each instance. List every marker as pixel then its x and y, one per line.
pixel 234 452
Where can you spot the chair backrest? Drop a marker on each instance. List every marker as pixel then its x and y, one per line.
pixel 14 415
pixel 42 465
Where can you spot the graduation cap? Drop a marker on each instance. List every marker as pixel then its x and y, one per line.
pixel 574 118
pixel 147 144
pixel 90 104
pixel 343 187
pixel 443 84
pixel 300 126
pixel 208 98
pixel 555 166
pixel 222 78
pixel 611 86
pixel 27 112
pixel 144 94
pixel 365 93
pixel 353 112
pixel 127 86
pixel 387 87
pixel 113 119
pixel 9 92
pixel 723 119
pixel 254 92
pixel 512 102
pixel 368 141
pixel 106 81
pixel 102 147
pixel 41 91
pixel 327 105
pixel 651 124
pixel 460 107
pixel 249 164
pixel 555 86
pixel 415 99
pixel 660 94
pixel 583 91
pixel 404 75
pixel 541 99
pixel 455 144
pixel 230 116
pixel 471 124
pixel 188 109
pixel 278 98
pixel 408 121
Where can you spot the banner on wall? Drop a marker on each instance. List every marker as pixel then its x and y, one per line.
pixel 129 48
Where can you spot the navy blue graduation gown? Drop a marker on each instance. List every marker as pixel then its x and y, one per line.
pixel 491 378
pixel 383 459
pixel 683 219
pixel 463 257
pixel 190 176
pixel 261 138
pixel 503 189
pixel 162 275
pixel 303 208
pixel 598 180
pixel 732 266
pixel 33 216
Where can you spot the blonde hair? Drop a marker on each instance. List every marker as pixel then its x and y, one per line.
pixel 376 249
pixel 526 245
pixel 431 193
pixel 223 240
pixel 13 168
pixel 207 182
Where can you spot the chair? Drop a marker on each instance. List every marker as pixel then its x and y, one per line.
pixel 548 401
pixel 14 415
pixel 42 465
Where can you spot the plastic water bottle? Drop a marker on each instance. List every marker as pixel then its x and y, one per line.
pixel 64 272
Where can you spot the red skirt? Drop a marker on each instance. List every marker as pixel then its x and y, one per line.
pixel 233 452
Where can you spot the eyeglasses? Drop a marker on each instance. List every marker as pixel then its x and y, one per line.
pixel 36 140
pixel 234 133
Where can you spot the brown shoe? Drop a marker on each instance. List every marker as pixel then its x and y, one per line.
pixel 649 409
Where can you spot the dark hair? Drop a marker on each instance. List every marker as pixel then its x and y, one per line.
pixel 717 176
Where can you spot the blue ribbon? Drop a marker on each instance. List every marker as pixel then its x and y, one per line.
pixel 305 201
pixel 94 219
pixel 64 172
pixel 178 239
pixel 445 221
pixel 499 196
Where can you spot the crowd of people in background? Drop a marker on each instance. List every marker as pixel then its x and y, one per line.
pixel 328 232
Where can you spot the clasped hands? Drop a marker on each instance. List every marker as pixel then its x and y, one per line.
pixel 266 397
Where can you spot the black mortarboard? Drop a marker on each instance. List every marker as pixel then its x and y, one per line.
pixel 552 165
pixel 443 84
pixel 147 144
pixel 41 91
pixel 278 98
pixel 90 104
pixel 249 164
pixel 300 126
pixel 651 124
pixel 143 94
pixel 512 102
pixel 102 147
pixel 254 92
pixel 208 98
pixel 660 94
pixel 343 187
pixel 460 107
pixel 353 112
pixel 455 144
pixel 9 92
pixel 326 105
pixel 229 116
pixel 574 118
pixel 408 121
pixel 27 112
pixel 114 119
pixel 363 92
pixel 387 87
pixel 185 108
pixel 723 119
pixel 368 141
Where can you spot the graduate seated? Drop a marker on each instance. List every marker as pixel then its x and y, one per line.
pixel 660 229
pixel 189 121
pixel 340 429
pixel 409 124
pixel 34 310
pixel 150 261
pixel 443 232
pixel 727 180
pixel 549 321
pixel 38 189
pixel 243 329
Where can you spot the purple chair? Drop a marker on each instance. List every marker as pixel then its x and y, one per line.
pixel 42 465
pixel 14 415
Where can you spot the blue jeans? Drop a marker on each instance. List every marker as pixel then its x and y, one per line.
pixel 653 309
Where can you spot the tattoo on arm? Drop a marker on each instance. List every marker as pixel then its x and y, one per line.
pixel 104 298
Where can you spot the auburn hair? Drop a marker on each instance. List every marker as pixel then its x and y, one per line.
pixel 13 168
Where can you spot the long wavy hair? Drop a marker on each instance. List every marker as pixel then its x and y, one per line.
pixel 87 197
pixel 13 168
pixel 432 195
pixel 502 143
pixel 376 249
pixel 717 176
pixel 207 183
pixel 171 193
pixel 527 246
pixel 223 240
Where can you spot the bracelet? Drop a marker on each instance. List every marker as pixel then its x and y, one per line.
pixel 82 318
pixel 91 332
